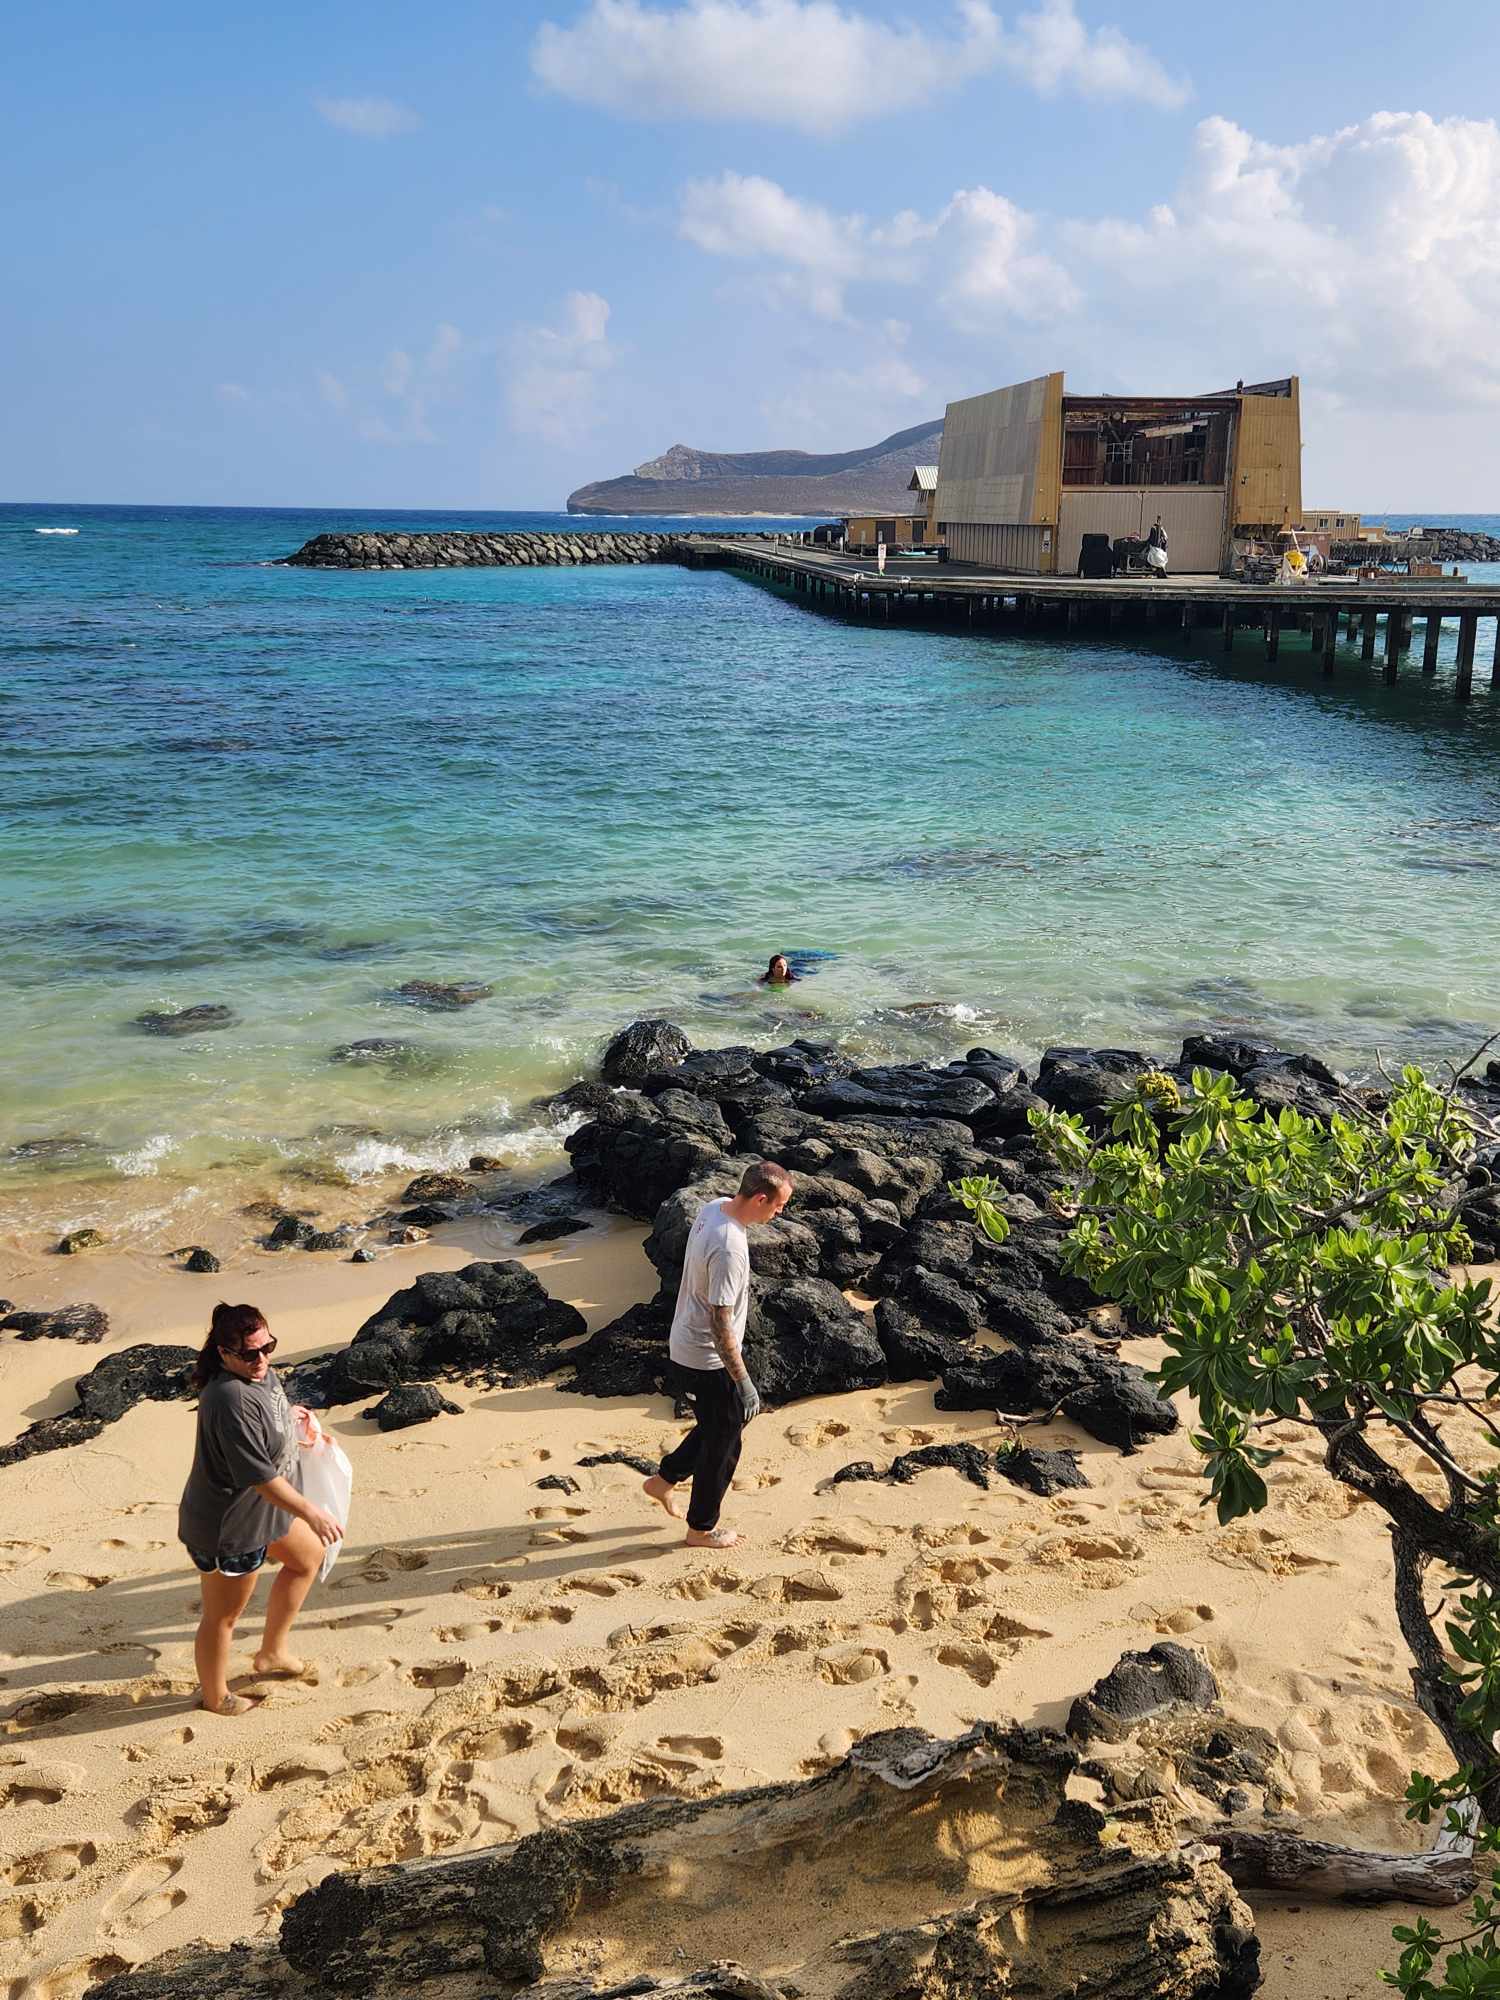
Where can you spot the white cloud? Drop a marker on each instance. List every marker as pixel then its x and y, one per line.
pixel 413 384
pixel 978 255
pixel 367 117
pixel 332 390
pixel 1368 259
pixel 554 372
pixel 820 66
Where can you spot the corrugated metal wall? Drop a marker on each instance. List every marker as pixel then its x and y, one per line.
pixel 1193 517
pixel 1267 481
pixel 989 468
pixel 1025 548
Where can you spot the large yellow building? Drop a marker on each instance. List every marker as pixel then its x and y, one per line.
pixel 1026 472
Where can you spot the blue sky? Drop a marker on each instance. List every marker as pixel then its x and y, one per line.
pixel 472 257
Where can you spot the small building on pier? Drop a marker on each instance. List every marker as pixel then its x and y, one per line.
pixel 1026 472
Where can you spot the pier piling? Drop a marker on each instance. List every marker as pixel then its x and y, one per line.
pixel 1468 633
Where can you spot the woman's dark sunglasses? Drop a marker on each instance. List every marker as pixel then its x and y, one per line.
pixel 254 1353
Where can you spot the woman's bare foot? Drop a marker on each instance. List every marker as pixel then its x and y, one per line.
pixel 232 1704
pixel 279 1666
pixel 657 1489
pixel 710 1538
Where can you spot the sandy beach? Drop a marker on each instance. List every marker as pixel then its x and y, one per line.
pixel 490 1655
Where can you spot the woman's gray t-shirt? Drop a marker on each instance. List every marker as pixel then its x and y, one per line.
pixel 246 1436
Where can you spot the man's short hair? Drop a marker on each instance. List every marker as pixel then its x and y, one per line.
pixel 766 1178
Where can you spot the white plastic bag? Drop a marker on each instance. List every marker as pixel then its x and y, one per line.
pixel 328 1481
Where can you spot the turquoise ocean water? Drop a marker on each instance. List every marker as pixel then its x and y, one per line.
pixel 615 792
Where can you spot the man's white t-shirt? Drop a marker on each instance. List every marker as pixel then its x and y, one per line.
pixel 715 1272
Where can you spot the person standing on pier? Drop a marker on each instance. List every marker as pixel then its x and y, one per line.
pixel 708 1331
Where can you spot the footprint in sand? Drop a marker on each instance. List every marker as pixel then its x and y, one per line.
pixel 438 1674
pixel 304 1762
pixel 462 1635
pixel 556 1538
pixel 813 1437
pixel 824 1537
pixel 589 1743
pixel 701 1583
pixel 488 1742
pixel 50 1864
pixel 847 1666
pixel 382 1618
pixel 485 1588
pixel 39 1784
pixel 69 1579
pixel 378 1564
pixel 609 1585
pixel 13 1554
pixel 116 1543
pixel 78 1975
pixel 147 1894
pixel 556 1513
pixel 980 1666
pixel 364 1673
pixel 709 1748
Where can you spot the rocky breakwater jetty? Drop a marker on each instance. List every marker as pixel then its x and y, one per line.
pixel 522 550
pixel 1462 544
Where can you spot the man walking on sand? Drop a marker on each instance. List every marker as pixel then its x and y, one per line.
pixel 708 1329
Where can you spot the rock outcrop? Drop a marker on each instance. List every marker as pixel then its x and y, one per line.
pixel 915 1869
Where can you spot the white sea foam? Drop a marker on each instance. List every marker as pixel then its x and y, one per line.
pixel 368 1159
pixel 146 1159
pixel 54 531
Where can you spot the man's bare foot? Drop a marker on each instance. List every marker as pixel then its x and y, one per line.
pixel 279 1666
pixel 710 1538
pixel 657 1489
pixel 232 1704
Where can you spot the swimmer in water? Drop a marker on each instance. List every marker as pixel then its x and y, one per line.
pixel 778 972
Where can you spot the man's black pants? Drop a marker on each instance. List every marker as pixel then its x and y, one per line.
pixel 711 1450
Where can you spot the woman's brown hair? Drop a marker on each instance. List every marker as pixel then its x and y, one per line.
pixel 228 1328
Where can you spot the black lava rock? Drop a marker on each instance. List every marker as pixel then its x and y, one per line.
pixel 411 1403
pixel 290 1232
pixel 1111 1400
pixel 141 1374
pixel 641 1049
pixel 558 1482
pixel 187 1021
pixel 83 1323
pixel 331 1239
pixel 196 1258
pixel 966 1459
pixel 1044 1472
pixel 1145 1684
pixel 549 1232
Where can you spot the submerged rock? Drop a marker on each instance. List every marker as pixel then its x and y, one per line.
pixel 78 1240
pixel 187 1020
pixel 550 1230
pixel 196 1258
pixel 444 996
pixel 436 1187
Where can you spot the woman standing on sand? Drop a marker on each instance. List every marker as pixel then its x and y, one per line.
pixel 242 1502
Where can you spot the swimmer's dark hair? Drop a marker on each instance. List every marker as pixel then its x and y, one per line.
pixel 766 1178
pixel 768 978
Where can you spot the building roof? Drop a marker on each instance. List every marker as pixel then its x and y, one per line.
pixel 923 479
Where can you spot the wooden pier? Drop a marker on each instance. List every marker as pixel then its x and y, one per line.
pixel 954 594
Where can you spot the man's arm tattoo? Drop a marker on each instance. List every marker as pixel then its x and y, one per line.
pixel 726 1346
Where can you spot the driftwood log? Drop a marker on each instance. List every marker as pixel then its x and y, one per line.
pixel 1261 1858
pixel 915 1869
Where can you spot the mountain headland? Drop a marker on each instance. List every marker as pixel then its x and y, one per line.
pixel 684 480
